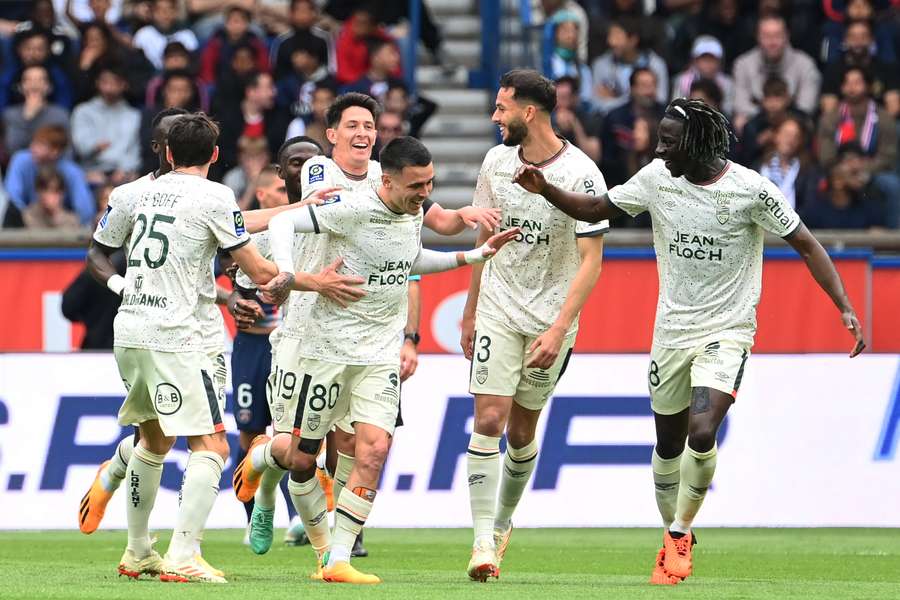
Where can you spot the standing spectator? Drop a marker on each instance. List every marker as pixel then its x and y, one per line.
pixel 106 131
pixel 32 48
pixel 46 150
pixel 43 20
pixel 305 36
pixel 384 60
pixel 323 96
pixel 253 157
pixel 48 211
pixel 352 45
pixel 563 59
pixel 416 110
pixel 846 202
pixel 706 63
pixel 153 38
pixel 177 63
pixel 773 56
pixel 612 71
pixel 788 164
pixel 178 90
pixel 574 121
pixel 835 30
pixel 22 120
pixel 219 49
pixel 858 119
pixel 857 52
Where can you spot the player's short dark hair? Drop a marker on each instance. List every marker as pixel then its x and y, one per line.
pixel 632 79
pixel 192 140
pixel 297 139
pixel 349 100
pixel 775 86
pixel 404 151
pixel 708 88
pixel 530 86
pixel 706 135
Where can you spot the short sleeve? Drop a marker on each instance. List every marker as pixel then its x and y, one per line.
pixel 771 211
pixel 590 182
pixel 634 196
pixel 226 222
pixel 484 195
pixel 115 225
pixel 338 216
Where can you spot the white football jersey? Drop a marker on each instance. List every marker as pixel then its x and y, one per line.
pixel 526 285
pixel 709 244
pixel 172 226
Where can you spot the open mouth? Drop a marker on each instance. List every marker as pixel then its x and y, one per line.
pixel 361 145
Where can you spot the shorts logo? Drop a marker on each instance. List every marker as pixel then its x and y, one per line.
pixel 239 228
pixel 316 173
pixel 318 518
pixel 722 376
pixel 394 379
pixel 538 378
pixel 244 415
pixel 481 374
pixel 167 399
pixel 313 421
pixel 279 411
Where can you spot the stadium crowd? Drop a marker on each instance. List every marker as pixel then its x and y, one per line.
pixel 811 86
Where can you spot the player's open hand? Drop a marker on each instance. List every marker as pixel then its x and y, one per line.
pixel 319 196
pixel 497 241
pixel 340 289
pixel 278 289
pixel 531 178
pixel 409 360
pixel 245 312
pixel 472 216
pixel 852 324
pixel 467 340
pixel 545 348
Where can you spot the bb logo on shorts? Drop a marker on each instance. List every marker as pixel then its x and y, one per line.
pixel 313 422
pixel 239 228
pixel 167 399
pixel 316 173
pixel 481 374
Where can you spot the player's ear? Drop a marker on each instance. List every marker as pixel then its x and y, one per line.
pixel 215 155
pixel 169 158
pixel 278 171
pixel 385 179
pixel 331 135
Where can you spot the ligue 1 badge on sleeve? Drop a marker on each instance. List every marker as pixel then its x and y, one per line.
pixel 239 228
pixel 316 173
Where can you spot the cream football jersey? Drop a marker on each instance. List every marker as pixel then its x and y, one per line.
pixel 526 285
pixel 173 227
pixel 709 242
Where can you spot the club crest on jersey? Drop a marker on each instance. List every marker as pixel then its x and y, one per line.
pixel 313 421
pixel 167 399
pixel 316 173
pixel 239 228
pixel 481 374
pixel 723 209
pixel 138 283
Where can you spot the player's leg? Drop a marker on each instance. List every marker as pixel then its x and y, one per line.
pixel 344 442
pixel 248 380
pixel 106 481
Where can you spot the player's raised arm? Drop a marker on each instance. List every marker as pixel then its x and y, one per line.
pixel 583 207
pixel 258 220
pixel 432 261
pixel 819 264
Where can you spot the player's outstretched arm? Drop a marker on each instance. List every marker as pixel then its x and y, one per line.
pixel 253 264
pixel 258 220
pixel 584 207
pixel 822 269
pixel 450 222
pixel 102 269
pixel 431 261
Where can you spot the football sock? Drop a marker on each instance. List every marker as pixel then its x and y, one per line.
pixel 483 465
pixel 115 471
pixel 518 465
pixel 272 474
pixel 666 475
pixel 198 494
pixel 352 510
pixel 309 500
pixel 342 473
pixel 144 472
pixel 697 469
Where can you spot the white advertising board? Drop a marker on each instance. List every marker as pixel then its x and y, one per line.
pixel 811 442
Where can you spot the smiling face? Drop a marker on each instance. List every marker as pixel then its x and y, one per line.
pixel 511 117
pixel 669 135
pixel 353 138
pixel 408 189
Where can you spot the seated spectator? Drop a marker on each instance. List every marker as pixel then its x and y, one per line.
pixel 384 59
pixel 706 63
pixel 563 59
pixel 177 60
pixel 390 125
pixel 352 45
pixel 31 49
pixel 416 110
pixel 254 117
pixel 305 36
pixel 47 211
pixel 323 96
pixel 43 20
pixel 857 52
pixel 845 203
pixel 724 21
pixel 178 90
pixel 788 164
pixel 550 8
pixel 773 56
pixel 106 131
pixel 759 132
pixel 295 90
pixel 835 30
pixel 858 119
pixel 46 150
pixel 153 38
pixel 22 120
pixel 219 49
pixel 612 71
pixel 573 119
pixel 253 157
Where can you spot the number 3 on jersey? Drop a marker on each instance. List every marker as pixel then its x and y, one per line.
pixel 151 233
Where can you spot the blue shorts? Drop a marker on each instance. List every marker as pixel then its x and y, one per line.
pixel 251 360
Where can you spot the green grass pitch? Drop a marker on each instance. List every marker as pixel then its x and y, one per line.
pixel 551 564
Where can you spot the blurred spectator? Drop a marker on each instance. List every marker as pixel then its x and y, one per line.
pixel 846 203
pixel 253 157
pixel 177 61
pixel 92 303
pixel 177 90
pixel 706 63
pixel 46 150
pixel 563 59
pixel 724 21
pixel 304 36
pixel 48 211
pixel 104 13
pixel 352 45
pixel 573 119
pixel 620 153
pixel 153 38
pixel 707 91
pixel 22 120
pixel 788 164
pixel 390 125
pixel 550 9
pixel 759 132
pixel 106 131
pixel 612 71
pixel 835 30
pixel 384 60
pixel 254 117
pixel 416 111
pixel 230 88
pixel 858 119
pixel 295 90
pixel 392 13
pixel 773 56
pixel 99 46
pixel 857 52
pixel 322 97
pixel 43 20
pixel 219 49
pixel 33 48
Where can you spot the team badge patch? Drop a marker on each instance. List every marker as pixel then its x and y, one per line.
pixel 239 228
pixel 481 374
pixel 316 173
pixel 167 399
pixel 313 422
pixel 331 200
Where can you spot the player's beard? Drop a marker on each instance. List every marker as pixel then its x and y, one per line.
pixel 516 132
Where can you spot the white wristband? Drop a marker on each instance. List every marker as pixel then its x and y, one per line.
pixel 476 256
pixel 116 284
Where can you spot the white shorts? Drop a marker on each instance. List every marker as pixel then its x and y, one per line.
pixel 184 391
pixel 307 397
pixel 498 365
pixel 674 371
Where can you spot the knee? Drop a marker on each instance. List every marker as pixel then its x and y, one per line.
pixel 667 449
pixel 490 421
pixel 159 446
pixel 301 463
pixel 372 457
pixel 702 435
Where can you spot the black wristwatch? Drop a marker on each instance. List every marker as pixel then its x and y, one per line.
pixel 413 337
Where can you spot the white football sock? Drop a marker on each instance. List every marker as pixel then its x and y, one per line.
pixel 483 465
pixel 115 471
pixel 144 473
pixel 198 494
